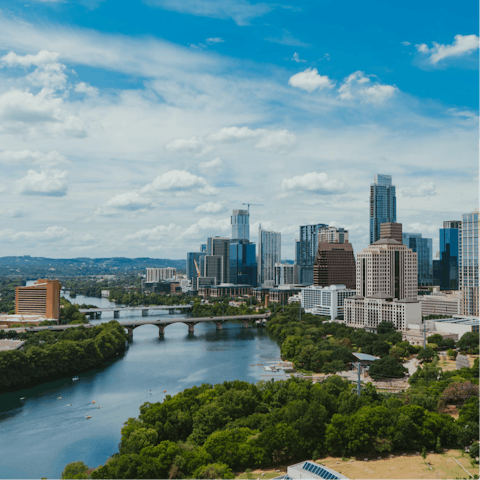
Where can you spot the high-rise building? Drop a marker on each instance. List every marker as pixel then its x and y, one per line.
pixel 391 230
pixel 240 225
pixel 332 235
pixel 203 247
pixel 285 274
pixel 446 268
pixel 157 274
pixel 307 251
pixel 423 248
pixel 387 267
pixel 214 268
pixel 469 253
pixel 269 253
pixel 334 265
pixel 195 266
pixel 220 246
pixel 41 298
pixel 243 263
pixel 383 206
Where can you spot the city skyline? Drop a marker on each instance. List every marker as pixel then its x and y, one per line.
pixel 119 136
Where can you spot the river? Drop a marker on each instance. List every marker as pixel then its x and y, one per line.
pixel 41 434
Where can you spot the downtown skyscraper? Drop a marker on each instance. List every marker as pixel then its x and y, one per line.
pixel 383 204
pixel 269 253
pixel 469 253
pixel 307 251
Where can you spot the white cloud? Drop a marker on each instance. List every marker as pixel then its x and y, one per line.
pixel 462 45
pixel 52 183
pixel 310 80
pixel 215 163
pixel 406 44
pixel 273 140
pixel 296 58
pixel 192 145
pixel 83 87
pixel 49 73
pixel 240 11
pixel 312 182
pixel 378 93
pixel 425 189
pixel 27 157
pixel 131 201
pixel 214 40
pixel 180 181
pixel 210 207
pixel 44 57
pixel 352 89
pixel 152 234
pixel 422 228
pixel 207 227
pixel 51 233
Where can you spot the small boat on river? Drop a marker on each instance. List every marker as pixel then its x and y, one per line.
pixel 89 416
pixel 22 398
pixel 69 405
pixel 75 379
pixel 58 398
pixel 93 401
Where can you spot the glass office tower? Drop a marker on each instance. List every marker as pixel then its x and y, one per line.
pixel 243 263
pixel 192 273
pixel 469 254
pixel 307 250
pixel 423 249
pixel 269 253
pixel 240 221
pixel 446 268
pixel 383 204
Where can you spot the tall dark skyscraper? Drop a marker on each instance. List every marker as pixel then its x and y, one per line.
pixel 446 269
pixel 383 204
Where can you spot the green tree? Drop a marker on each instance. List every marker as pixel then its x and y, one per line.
pixel 214 470
pixel 75 470
pixel 386 367
pixel 452 354
pixel 426 354
pixel 468 340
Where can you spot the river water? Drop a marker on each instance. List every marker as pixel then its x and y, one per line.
pixel 41 434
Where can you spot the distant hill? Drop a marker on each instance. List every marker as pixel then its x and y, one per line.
pixel 35 267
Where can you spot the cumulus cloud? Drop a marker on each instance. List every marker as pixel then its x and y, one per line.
pixel 273 140
pixel 28 157
pixel 49 73
pixel 51 233
pixel 462 45
pixel 189 145
pixel 406 44
pixel 52 183
pixel 152 234
pixel 215 163
pixel 425 189
pixel 296 58
pixel 210 207
pixel 310 80
pixel 174 182
pixel 354 87
pixel 312 182
pixel 207 226
pixel 87 89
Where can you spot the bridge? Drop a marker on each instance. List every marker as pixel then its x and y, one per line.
pixel 95 313
pixel 192 321
pixel 161 324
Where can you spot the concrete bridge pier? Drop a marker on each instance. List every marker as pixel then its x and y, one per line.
pixel 171 311
pixel 97 315
pixel 145 312
pixel 191 327
pixel 161 330
pixel 219 325
pixel 129 331
pixel 245 323
pixel 116 314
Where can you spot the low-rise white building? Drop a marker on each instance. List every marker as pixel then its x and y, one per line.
pixel 441 303
pixel 326 301
pixel 369 312
pixel 157 274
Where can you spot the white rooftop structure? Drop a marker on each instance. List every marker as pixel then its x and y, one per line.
pixel 310 470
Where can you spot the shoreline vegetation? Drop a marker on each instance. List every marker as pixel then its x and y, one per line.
pixel 217 431
pixel 50 355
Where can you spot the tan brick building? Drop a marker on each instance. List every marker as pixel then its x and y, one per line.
pixel 41 298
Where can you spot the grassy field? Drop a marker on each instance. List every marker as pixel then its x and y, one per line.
pixel 399 467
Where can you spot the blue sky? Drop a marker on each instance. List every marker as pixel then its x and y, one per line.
pixel 125 125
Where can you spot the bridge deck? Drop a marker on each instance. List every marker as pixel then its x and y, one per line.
pixel 123 309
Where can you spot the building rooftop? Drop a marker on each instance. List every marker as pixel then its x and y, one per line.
pixel 364 357
pixel 387 241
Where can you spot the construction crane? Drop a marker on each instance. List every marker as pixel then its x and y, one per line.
pixel 196 267
pixel 254 204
